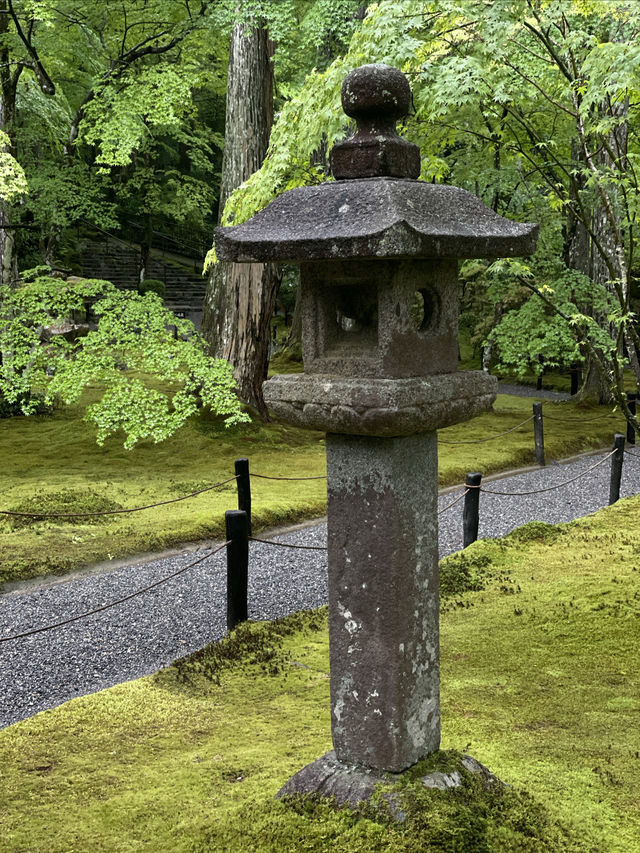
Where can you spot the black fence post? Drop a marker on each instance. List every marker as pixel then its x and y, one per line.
pixel 616 468
pixel 471 512
pixel 244 488
pixel 631 433
pixel 538 433
pixel 574 375
pixel 237 566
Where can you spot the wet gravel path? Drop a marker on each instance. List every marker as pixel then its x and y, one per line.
pixel 530 391
pixel 148 632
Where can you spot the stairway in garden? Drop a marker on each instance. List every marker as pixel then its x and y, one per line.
pixel 118 261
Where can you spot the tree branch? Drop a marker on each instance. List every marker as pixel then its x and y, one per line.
pixel 44 81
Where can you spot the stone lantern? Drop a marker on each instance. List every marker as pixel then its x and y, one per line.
pixel 378 253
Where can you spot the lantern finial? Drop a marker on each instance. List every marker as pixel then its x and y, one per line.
pixel 376 96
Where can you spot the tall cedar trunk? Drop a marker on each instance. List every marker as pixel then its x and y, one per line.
pixel 9 74
pixel 578 255
pixel 240 298
pixel 488 352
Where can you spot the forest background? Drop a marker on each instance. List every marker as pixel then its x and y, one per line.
pixel 116 117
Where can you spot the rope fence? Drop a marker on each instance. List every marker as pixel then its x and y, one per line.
pixel 238 522
pixel 470 516
pixel 45 515
pixel 488 438
pixel 289 545
pixel 453 503
pixel 581 420
pixel 547 488
pixel 117 601
pixel 538 428
pixel 266 477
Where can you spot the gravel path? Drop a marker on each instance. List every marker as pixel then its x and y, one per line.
pixel 530 391
pixel 150 631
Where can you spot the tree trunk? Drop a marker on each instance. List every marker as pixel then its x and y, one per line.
pixel 50 244
pixel 145 249
pixel 295 331
pixel 9 75
pixel 240 298
pixel 578 255
pixel 487 352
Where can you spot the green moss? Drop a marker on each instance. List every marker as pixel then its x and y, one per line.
pixel 542 688
pixel 473 817
pixel 536 531
pixel 63 502
pixel 47 456
pixel 288 360
pixel 248 646
pixel 463 572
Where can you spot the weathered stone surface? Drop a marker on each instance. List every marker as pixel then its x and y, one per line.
pixel 375 218
pixel 329 777
pixel 380 407
pixel 351 785
pixel 444 781
pixel 383 599
pixel 389 318
pixel 65 329
pixel 376 96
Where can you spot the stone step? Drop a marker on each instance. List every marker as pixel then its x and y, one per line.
pixel 119 263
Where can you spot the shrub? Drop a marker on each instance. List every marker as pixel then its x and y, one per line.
pixel 152 285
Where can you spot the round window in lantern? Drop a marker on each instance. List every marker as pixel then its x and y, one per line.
pixel 425 310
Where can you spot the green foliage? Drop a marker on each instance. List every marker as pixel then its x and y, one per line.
pixel 13 182
pixel 152 285
pixel 500 108
pixel 133 341
pixel 125 95
pixel 155 97
pixel 61 194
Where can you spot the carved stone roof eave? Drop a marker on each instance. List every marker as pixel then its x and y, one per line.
pixel 375 218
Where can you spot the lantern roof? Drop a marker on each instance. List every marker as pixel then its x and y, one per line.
pixel 376 208
pixel 375 218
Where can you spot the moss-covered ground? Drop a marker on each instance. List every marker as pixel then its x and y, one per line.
pixel 540 682
pixel 52 464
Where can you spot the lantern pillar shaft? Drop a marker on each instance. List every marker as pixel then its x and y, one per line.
pixel 383 598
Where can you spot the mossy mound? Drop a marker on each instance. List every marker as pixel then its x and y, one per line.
pixel 474 817
pixel 536 531
pixel 464 572
pixel 63 503
pixel 249 646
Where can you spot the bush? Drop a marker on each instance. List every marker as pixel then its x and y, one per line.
pixel 10 409
pixel 152 285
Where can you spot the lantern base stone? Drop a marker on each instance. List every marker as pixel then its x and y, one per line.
pixel 351 785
